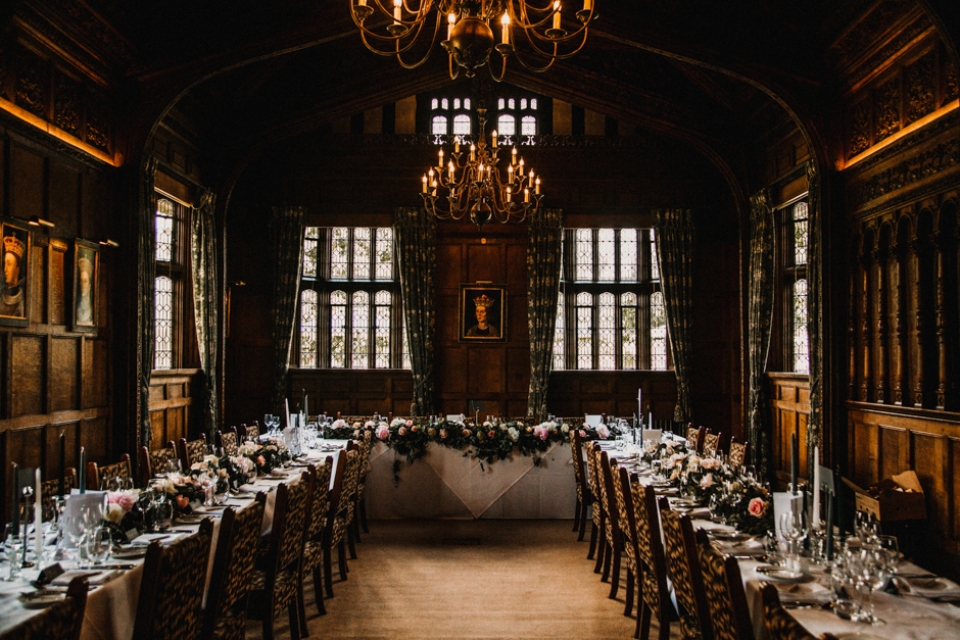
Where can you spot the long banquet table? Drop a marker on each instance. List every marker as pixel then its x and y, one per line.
pixel 905 617
pixel 112 608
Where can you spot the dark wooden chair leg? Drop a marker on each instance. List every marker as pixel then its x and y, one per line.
pixel 643 622
pixel 328 572
pixel 350 541
pixel 628 608
pixel 615 574
pixel 318 589
pixel 576 516
pixel 294 621
pixel 342 559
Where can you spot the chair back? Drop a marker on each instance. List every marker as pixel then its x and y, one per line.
pixel 153 462
pixel 739 453
pixel 50 489
pixel 290 521
pixel 191 451
pixel 779 623
pixel 726 599
pixel 695 437
pixel 620 500
pixel 583 491
pixel 99 475
pixel 250 432
pixel 336 492
pixel 351 475
pixel 683 567
pixel 171 590
pixel 610 499
pixel 226 609
pixel 321 499
pixel 593 480
pixel 711 443
pixel 650 558
pixel 60 621
pixel 228 441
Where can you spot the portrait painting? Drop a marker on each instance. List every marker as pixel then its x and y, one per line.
pixel 86 269
pixel 14 296
pixel 483 313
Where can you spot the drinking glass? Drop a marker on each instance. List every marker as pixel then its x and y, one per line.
pixel 98 544
pixel 793 528
pixel 14 548
pixel 890 551
pixel 866 527
pixel 871 573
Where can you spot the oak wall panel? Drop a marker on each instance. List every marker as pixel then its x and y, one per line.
pixel 26 182
pixel 26 379
pixel 58 288
pixel 63 373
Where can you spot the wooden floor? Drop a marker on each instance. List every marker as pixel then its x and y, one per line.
pixel 437 579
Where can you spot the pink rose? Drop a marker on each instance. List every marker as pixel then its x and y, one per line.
pixel 409 423
pixel 261 461
pixel 383 432
pixel 756 507
pixel 491 434
pixel 443 434
pixel 603 431
pixel 583 434
pixel 466 433
pixel 402 431
pixel 414 428
pixel 707 481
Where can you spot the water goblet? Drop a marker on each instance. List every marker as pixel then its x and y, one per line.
pixel 793 528
pixel 14 548
pixel 99 542
pixel 871 574
pixel 866 527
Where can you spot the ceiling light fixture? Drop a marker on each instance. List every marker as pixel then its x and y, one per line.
pixel 534 32
pixel 37 221
pixel 480 190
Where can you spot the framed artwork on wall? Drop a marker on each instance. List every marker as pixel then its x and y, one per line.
pixel 86 272
pixel 483 313
pixel 15 291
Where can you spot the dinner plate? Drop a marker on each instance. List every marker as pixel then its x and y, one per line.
pixel 126 553
pixel 729 536
pixel 856 635
pixel 686 502
pixel 928 584
pixel 40 598
pixel 782 574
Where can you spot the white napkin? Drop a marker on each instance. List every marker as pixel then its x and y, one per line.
pixel 932 587
pixel 164 538
pixel 804 593
pixel 93 577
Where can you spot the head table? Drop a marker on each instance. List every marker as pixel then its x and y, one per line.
pixel 112 607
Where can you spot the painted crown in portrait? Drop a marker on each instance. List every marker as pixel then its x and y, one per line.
pixel 484 301
pixel 13 245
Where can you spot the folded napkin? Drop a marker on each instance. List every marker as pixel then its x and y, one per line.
pixel 163 538
pixel 745 548
pixel 805 593
pixel 927 587
pixel 93 577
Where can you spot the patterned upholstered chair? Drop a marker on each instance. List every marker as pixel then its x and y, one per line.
pixel 695 437
pixel 228 441
pixel 584 495
pixel 711 443
pixel 360 504
pixel 336 528
pixel 153 462
pixel 726 599
pixel 191 451
pixel 277 581
pixel 739 453
pixel 171 590
pixel 654 600
pixel 50 489
pixel 225 614
pixel 779 623
pixel 99 476
pixel 611 567
pixel 683 567
pixel 250 432
pixel 313 549
pixel 61 621
pixel 348 499
pixel 599 520
pixel 628 535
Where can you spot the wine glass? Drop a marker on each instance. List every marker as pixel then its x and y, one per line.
pixel 866 527
pixel 99 543
pixel 890 550
pixel 871 572
pixel 793 528
pixel 14 548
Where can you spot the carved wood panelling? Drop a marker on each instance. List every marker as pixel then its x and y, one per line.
pixel 790 407
pixel 172 410
pixel 362 393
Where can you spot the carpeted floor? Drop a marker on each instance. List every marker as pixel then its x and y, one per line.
pixel 486 579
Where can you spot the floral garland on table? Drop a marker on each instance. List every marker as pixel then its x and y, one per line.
pixel 214 467
pixel 266 457
pixel 746 504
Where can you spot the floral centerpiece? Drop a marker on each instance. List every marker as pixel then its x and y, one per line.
pixel 697 476
pixel 266 457
pixel 123 514
pixel 213 469
pixel 746 504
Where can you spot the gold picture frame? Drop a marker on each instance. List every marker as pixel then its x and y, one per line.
pixel 15 284
pixel 483 313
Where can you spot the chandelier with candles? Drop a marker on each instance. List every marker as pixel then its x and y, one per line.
pixel 394 27
pixel 474 183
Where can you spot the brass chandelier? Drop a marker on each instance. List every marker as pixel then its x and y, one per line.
pixel 481 190
pixel 393 27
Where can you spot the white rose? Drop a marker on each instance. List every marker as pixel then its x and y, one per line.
pixel 114 513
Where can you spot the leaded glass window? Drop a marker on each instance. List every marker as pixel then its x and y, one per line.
pixel 506 125
pixel 607 321
pixel 163 323
pixel 164 230
pixel 793 243
pixel 462 125
pixel 170 222
pixel 351 293
pixel 439 126
pixel 801 352
pixel 658 333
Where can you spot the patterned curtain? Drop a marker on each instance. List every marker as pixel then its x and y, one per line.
pixel 147 268
pixel 203 260
pixel 543 286
pixel 814 324
pixel 760 300
pixel 676 245
pixel 415 231
pixel 286 231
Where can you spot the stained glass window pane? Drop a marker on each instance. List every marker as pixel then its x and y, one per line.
pixel 511 103
pixel 501 103
pixel 658 333
pixel 163 323
pixel 445 104
pixel 434 103
pixel 628 330
pixel 528 126
pixel 360 339
pixel 584 255
pixel 606 255
pixel 439 125
pixel 800 226
pixel 311 237
pixel 466 103
pixel 339 253
pixel 382 330
pixel 628 255
pixel 384 253
pixel 506 125
pixel 308 328
pixel 558 338
pixel 461 125
pixel 584 310
pixel 456 103
pixel 654 259
pixel 607 334
pixel 164 230
pixel 533 103
pixel 801 353
pixel 361 254
pixel 338 329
